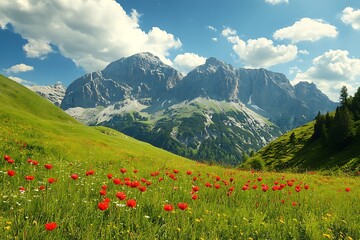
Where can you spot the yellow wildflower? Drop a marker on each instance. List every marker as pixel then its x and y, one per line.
pixel 326 236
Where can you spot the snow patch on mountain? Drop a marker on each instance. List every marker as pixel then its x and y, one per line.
pixel 54 93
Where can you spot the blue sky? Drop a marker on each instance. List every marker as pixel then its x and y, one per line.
pixel 46 41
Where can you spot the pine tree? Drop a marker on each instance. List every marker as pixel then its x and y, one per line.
pixel 343 96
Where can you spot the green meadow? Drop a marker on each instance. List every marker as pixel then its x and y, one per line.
pixel 60 179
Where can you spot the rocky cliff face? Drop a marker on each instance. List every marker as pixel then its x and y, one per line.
pixel 54 93
pixel 216 112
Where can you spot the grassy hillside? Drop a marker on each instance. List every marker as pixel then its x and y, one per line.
pixel 305 154
pixel 60 179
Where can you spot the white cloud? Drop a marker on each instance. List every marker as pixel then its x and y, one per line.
pixel 19 68
pixel 91 33
pixel 351 17
pixel 19 80
pixel 212 28
pixel 187 62
pixel 331 71
pixel 306 29
pixel 214 39
pixel 228 32
pixel 274 2
pixel 305 52
pixel 37 48
pixel 262 52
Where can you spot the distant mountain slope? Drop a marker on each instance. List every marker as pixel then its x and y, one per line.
pixel 207 115
pixel 302 153
pixel 31 126
pixel 54 93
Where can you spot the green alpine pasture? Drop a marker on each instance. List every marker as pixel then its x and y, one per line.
pixel 60 179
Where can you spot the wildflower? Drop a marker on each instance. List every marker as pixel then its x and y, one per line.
pixel 189 172
pixel 135 184
pixel 175 171
pixel 306 187
pixel 135 170
pixel 131 203
pixel 294 204
pixel 168 207
pixel 48 166
pixel 103 205
pixel 104 187
pixel 11 173
pixel 74 176
pixel 347 189
pixel 21 189
pixel 217 186
pixel 195 188
pixel 29 178
pixel 254 187
pixel 90 172
pixel 7 157
pixel 50 226
pixel 102 192
pixel 109 176
pixel 11 161
pixel 259 179
pixel 123 170
pixel 182 205
pixel 51 180
pixel 265 188
pixel 42 187
pixel 34 162
pixel 194 197
pixel 116 181
pixel 142 188
pixel 121 195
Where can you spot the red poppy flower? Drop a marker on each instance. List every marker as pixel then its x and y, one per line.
pixel 188 172
pixel 254 187
pixel 195 188
pixel 231 179
pixel 51 180
pixel 208 184
pixel 21 189
pixel 103 206
pixel 50 226
pixel 134 184
pixel 34 162
pixel 290 184
pixel 171 175
pixel 109 176
pixel 131 203
pixel 121 195
pixel 11 161
pixel 135 170
pixel 104 187
pixel 142 188
pixel 29 160
pixel 29 178
pixel 244 188
pixel 148 183
pixel 7 157
pixel 259 179
pixel 102 192
pixel 282 201
pixel 153 174
pixel 168 207
pixel 116 181
pixel 90 172
pixel 275 188
pixel 123 170
pixel 175 171
pixel 265 188
pixel 74 176
pixel 48 166
pixel 182 205
pixel 294 204
pixel 160 179
pixel 42 187
pixel 217 186
pixel 306 187
pixel 194 197
pixel 347 189
pixel 11 173
pixel 143 180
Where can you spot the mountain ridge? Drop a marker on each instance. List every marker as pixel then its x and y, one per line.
pixel 149 100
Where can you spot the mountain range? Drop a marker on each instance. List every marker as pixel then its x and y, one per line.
pixel 214 113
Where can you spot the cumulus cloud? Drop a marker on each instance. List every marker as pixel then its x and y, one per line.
pixel 306 29
pixel 91 33
pixel 351 17
pixel 19 68
pixel 214 39
pixel 260 52
pixel 331 71
pixel 226 32
pixel 187 62
pixel 274 2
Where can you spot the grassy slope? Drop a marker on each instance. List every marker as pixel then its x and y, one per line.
pixel 47 128
pixel 306 154
pixel 32 127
